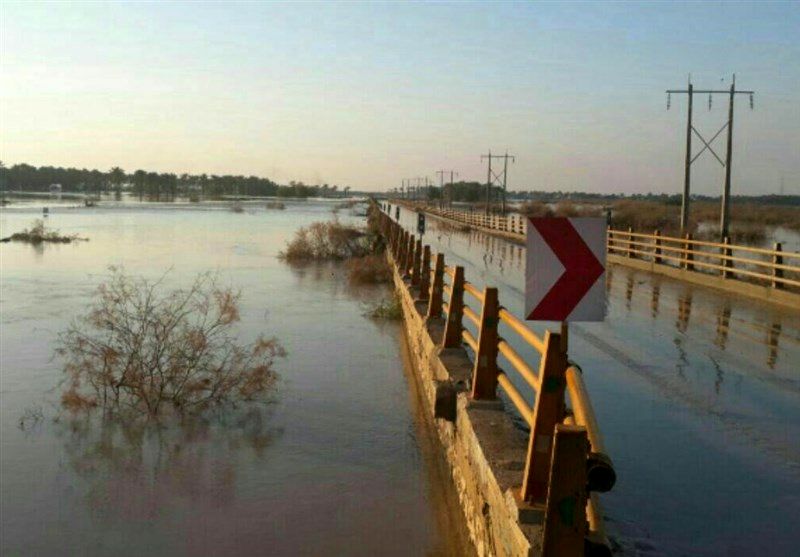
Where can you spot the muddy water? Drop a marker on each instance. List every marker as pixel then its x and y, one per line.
pixel 698 396
pixel 338 463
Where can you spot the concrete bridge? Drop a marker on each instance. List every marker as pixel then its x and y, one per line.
pixel 529 475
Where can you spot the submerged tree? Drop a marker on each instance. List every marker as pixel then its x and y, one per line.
pixel 153 351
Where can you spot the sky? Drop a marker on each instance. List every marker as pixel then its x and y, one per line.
pixel 367 94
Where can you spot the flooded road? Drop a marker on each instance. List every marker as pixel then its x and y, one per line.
pixel 698 397
pixel 338 463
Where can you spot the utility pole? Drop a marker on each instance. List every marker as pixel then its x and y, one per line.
pixel 724 217
pixel 690 91
pixel 496 178
pixel 428 185
pixel 450 189
pixel 441 174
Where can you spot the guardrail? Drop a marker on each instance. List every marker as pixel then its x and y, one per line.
pixel 567 462
pixel 770 267
pixel 767 274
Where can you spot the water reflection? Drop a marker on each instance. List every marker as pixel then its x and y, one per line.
pixel 684 311
pixel 655 295
pixel 769 333
pixel 138 471
pixel 773 334
pixel 682 361
pixel 719 375
pixel 723 326
pixel 629 292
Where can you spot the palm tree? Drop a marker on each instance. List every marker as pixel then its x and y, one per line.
pixel 116 176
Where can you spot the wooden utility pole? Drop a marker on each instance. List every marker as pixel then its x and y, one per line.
pixel 690 91
pixel 688 171
pixel 726 193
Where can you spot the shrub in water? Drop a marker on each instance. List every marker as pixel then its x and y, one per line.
pixel 326 241
pixel 145 349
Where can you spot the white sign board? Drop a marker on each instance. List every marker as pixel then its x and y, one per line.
pixel 565 269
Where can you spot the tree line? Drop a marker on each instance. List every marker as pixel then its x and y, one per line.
pixel 470 192
pixel 166 185
pixel 475 192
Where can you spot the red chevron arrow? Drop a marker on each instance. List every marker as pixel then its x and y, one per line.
pixel 581 269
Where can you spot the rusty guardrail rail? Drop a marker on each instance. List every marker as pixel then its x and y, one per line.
pixel 566 456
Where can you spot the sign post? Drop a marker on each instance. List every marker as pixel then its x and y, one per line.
pixel 564 281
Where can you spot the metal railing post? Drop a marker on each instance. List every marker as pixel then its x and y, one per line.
pixel 549 411
pixel 726 254
pixel 777 259
pixel 398 248
pixel 565 524
pixel 425 274
pixel 455 310
pixel 484 372
pixel 408 246
pixel 630 239
pixel 417 263
pixel 657 249
pixel 688 256
pixel 435 302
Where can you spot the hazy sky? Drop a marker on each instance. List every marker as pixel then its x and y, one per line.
pixel 366 94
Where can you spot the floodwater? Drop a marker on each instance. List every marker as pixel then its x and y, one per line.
pixel 698 397
pixel 338 464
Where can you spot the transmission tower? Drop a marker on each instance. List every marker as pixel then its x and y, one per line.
pixel 496 178
pixel 441 174
pixel 726 192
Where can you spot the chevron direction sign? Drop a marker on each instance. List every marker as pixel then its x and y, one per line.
pixel 565 269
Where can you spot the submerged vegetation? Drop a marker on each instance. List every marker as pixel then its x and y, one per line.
pixel 387 309
pixel 39 233
pixel 146 350
pixel 327 241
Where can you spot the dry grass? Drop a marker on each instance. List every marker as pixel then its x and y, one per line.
pixel 39 233
pixel 645 216
pixel 749 221
pixel 536 209
pixel 750 214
